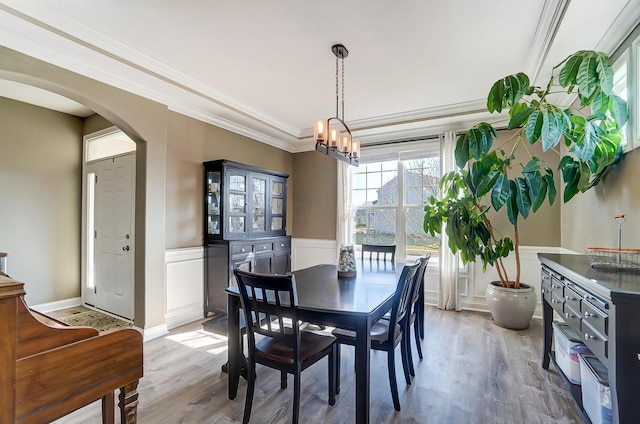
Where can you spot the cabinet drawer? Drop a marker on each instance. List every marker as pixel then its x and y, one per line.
pixel 263 247
pixel 238 249
pixel 595 341
pixel 284 244
pixel 572 316
pixel 557 301
pixel 595 317
pixel 573 297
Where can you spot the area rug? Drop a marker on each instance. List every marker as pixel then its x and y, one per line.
pixel 98 320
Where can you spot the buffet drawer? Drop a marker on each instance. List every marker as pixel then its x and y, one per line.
pixel 595 317
pixel 595 341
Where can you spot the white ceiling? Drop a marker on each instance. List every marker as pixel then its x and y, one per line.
pixel 265 68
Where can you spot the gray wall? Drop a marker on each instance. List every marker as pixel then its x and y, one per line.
pixel 40 176
pixel 315 196
pixel 170 149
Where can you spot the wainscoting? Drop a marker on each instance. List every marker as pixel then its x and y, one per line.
pixel 472 290
pixel 184 285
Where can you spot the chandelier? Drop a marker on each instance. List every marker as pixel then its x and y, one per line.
pixel 333 136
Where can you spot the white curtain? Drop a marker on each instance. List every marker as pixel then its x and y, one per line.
pixel 448 295
pixel 345 221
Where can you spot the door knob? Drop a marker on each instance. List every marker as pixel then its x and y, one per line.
pixel 125 248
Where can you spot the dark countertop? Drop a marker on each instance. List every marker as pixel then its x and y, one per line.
pixel 602 282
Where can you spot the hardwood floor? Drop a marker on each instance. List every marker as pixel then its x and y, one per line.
pixel 473 372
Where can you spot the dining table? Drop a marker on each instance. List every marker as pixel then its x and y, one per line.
pixel 324 298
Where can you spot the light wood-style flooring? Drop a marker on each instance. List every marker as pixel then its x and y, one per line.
pixel 473 372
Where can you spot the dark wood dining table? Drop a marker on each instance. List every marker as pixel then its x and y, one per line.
pixel 353 303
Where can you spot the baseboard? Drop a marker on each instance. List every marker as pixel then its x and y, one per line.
pixel 154 332
pixel 57 305
pixel 184 315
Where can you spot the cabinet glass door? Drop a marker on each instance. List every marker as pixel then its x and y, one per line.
pixel 213 203
pixel 277 206
pixel 237 206
pixel 259 198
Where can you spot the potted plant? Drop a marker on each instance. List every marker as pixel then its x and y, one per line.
pixel 490 180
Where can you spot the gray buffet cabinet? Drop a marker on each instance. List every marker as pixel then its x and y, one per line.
pixel 604 308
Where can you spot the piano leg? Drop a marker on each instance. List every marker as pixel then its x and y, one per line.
pixel 108 406
pixel 128 403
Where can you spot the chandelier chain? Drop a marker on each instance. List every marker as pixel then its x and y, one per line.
pixel 337 89
pixel 342 63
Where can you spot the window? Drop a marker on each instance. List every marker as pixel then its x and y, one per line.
pixel 620 88
pixel 388 193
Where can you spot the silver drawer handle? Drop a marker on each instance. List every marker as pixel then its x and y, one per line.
pixel 264 247
pixel 589 336
pixel 568 315
pixel 544 290
pixel 589 315
pixel 281 244
pixel 242 250
pixel 570 298
pixel 553 286
pixel 554 301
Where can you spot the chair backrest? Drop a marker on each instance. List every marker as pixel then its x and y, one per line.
pixel 423 261
pixel 379 248
pixel 268 302
pixel 402 297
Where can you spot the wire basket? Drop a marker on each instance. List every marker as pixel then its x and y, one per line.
pixel 618 259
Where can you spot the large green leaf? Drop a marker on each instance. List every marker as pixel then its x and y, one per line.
pixel 512 206
pixel 586 146
pixel 500 193
pixel 522 197
pixel 520 117
pixel 534 127
pixel 495 97
pixel 618 108
pixel 552 126
pixel 462 150
pixel 551 188
pixel 570 70
pixel 487 182
pixel 587 77
pixel 605 74
pixel 600 103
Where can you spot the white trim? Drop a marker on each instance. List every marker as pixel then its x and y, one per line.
pixel 45 308
pixel 184 285
pixel 478 280
pixel 310 252
pixel 550 19
pixel 154 332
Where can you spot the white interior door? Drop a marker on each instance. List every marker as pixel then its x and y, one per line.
pixel 114 200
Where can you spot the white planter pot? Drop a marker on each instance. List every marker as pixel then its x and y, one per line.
pixel 511 308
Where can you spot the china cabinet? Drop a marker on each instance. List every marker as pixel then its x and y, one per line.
pixel 244 225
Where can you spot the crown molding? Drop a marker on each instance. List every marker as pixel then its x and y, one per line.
pixel 550 19
pixel 626 21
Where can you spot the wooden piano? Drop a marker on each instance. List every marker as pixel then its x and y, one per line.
pixel 48 370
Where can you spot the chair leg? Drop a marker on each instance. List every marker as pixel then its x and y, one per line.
pixel 417 334
pixel 391 362
pixel 296 397
pixel 251 385
pixel 283 380
pixel 405 353
pixel 332 374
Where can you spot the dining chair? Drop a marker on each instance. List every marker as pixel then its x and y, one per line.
pixel 282 345
pixel 387 334
pixel 379 248
pixel 415 310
